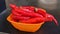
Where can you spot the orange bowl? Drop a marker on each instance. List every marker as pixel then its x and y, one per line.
pixel 24 26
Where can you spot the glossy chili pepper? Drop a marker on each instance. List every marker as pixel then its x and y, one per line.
pixel 24 13
pixel 32 16
pixel 34 20
pixel 21 17
pixel 48 16
pixel 28 7
pixel 13 6
pixel 14 12
pixel 18 16
pixel 51 18
pixel 27 13
pixel 26 10
pixel 40 11
pixel 24 18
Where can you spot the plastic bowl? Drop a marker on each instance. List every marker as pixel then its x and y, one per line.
pixel 24 26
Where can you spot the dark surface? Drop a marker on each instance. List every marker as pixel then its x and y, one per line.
pixel 47 28
pixel 2 5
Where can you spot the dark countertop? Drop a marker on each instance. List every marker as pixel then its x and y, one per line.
pixel 47 28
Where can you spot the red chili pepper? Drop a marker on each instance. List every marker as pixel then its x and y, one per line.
pixel 24 18
pixel 40 11
pixel 27 14
pixel 24 13
pixel 14 12
pixel 34 20
pixel 21 17
pixel 28 7
pixel 13 6
pixel 26 10
pixel 18 16
pixel 51 18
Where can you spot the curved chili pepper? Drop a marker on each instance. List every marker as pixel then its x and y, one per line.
pixel 25 18
pixel 28 15
pixel 51 18
pixel 25 13
pixel 40 11
pixel 48 16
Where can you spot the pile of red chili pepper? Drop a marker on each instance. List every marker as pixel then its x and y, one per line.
pixel 30 14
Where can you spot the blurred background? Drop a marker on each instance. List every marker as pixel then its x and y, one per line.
pixel 46 4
